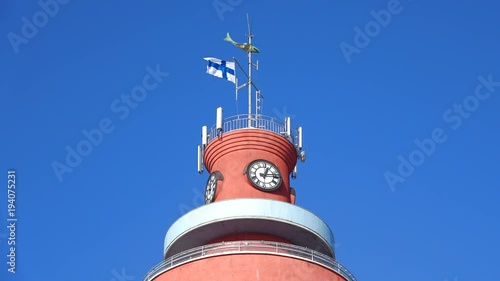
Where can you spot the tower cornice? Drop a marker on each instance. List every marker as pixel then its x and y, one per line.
pixel 290 222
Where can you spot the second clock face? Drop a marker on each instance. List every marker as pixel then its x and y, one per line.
pixel 264 175
pixel 211 188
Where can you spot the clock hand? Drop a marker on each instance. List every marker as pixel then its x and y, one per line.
pixel 270 175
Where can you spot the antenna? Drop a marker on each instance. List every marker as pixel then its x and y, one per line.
pixel 287 127
pixel 218 123
pixel 249 48
pixel 204 136
pixel 294 172
pixel 302 156
pixel 249 73
pixel 258 98
pixel 248 24
pixel 200 159
pixel 299 138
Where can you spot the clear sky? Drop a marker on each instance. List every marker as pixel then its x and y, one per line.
pixel 399 102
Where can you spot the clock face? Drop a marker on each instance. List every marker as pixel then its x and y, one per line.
pixel 211 188
pixel 264 175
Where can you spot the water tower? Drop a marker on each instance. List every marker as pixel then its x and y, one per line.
pixel 249 227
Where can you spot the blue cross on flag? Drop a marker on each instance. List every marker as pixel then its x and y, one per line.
pixel 221 68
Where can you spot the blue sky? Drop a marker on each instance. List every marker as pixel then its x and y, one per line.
pixel 399 102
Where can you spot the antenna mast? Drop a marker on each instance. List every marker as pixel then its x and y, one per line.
pixel 250 35
pixel 249 48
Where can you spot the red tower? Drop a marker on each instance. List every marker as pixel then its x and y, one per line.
pixel 249 227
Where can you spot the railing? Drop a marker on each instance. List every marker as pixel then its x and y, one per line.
pixel 245 247
pixel 243 121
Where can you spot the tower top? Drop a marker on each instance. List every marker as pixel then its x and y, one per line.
pixel 249 49
pixel 253 119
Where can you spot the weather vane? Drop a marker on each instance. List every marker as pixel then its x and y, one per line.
pixel 247 47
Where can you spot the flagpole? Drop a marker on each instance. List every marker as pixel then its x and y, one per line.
pixel 235 80
pixel 236 92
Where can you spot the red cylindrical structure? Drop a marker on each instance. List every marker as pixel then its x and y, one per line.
pixel 233 151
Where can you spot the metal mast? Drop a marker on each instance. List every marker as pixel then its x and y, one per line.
pixel 249 48
pixel 249 74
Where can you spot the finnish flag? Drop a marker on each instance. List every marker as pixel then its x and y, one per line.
pixel 221 68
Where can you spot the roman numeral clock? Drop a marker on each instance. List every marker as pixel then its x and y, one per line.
pixel 264 175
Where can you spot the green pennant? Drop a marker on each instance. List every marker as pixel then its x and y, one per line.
pixel 244 46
